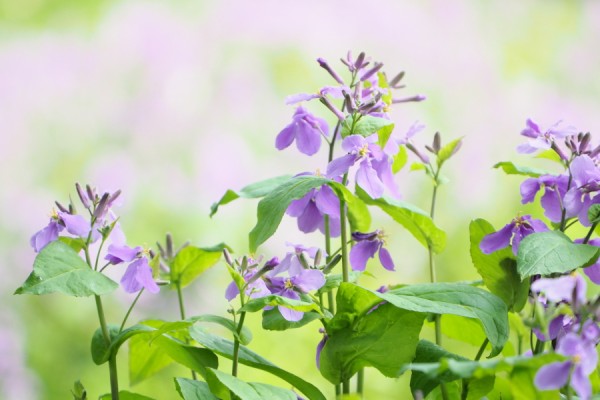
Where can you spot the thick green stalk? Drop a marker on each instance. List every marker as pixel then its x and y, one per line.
pixel 236 340
pixel 182 315
pixel 112 361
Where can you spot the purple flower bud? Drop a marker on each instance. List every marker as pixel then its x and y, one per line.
pixel 416 98
pixel 371 72
pixel 340 115
pixel 328 68
pixel 82 196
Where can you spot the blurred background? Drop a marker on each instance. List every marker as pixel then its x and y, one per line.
pixel 175 102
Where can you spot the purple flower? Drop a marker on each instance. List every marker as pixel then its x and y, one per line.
pixel 586 180
pixel 512 233
pixel 76 225
pixel 576 370
pixel 139 275
pixel 375 170
pixel 311 209
pixel 306 130
pixel 120 253
pixel 569 288
pixel 255 287
pixel 291 262
pixel 539 140
pixel 320 347
pixel 292 286
pixel 367 245
pixel 47 234
pixel 555 188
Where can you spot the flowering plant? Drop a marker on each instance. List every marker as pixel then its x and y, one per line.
pixel 530 311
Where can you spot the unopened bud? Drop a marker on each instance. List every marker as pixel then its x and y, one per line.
pixel 328 68
pixel 169 248
pixel 61 207
pixel 318 256
pixel 349 102
pixel 82 196
pixel 558 151
pixel 161 250
pixel 437 143
pixel 113 197
pixel 91 193
pixel 340 115
pixel 417 98
pixel 101 207
pixel 303 261
pixel 371 72
pixel 584 144
pixel 334 261
pixel 359 61
pixel 396 80
pixel 421 156
pixel 227 257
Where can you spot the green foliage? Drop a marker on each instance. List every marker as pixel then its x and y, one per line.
pixel 244 337
pixel 274 321
pixel 58 268
pixel 247 357
pixel 448 151
pixel 366 125
pixel 252 191
pixel 333 281
pixel 416 221
pixel 400 160
pixel 594 213
pixel 499 269
pixel 223 385
pixel 457 299
pixel 546 253
pixel 193 390
pixel 365 332
pixel 78 391
pixel 192 261
pixel 510 168
pixel 273 300
pixel 271 209
pixel 126 395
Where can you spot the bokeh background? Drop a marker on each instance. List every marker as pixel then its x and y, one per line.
pixel 175 102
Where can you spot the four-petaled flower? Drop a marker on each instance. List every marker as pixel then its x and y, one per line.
pixel 138 274
pixel 511 233
pixel 367 245
pixel 306 130
pixel 539 140
pixel 292 286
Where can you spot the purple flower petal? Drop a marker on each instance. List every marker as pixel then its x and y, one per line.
pixel 287 135
pixel 327 202
pixel 386 259
pixel 551 203
pixel 340 166
pixel 308 139
pixel 297 98
pixel 367 179
pixel 47 234
pixel 75 224
pixel 118 254
pixel 497 240
pixel 137 276
pixel 361 252
pixel 310 219
pixel 319 349
pixel 353 143
pixel 529 189
pixel 232 291
pixel 296 207
pixel 581 382
pixel 553 376
pixel 308 279
pixel 562 288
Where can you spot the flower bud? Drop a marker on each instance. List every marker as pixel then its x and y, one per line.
pixel 82 196
pixel 328 68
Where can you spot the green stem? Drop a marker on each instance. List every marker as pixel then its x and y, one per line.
pixel 112 361
pixel 236 345
pixel 130 309
pixel 346 387
pixel 182 315
pixel 590 232
pixel 482 349
pixel 360 378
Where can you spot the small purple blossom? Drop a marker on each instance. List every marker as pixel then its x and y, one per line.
pixel 306 130
pixel 569 288
pixel 311 209
pixel 511 233
pixel 47 234
pixel 367 245
pixel 292 286
pixel 539 140
pixel 320 347
pixel 555 188
pixel 255 287
pixel 582 362
pixel 375 169
pixel 291 262
pixel 586 181
pixel 139 275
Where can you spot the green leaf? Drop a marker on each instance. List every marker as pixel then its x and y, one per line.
pixel 253 191
pixel 448 150
pixel 365 126
pixel 192 261
pixel 78 391
pixel 77 244
pixel 594 213
pixel 510 168
pixel 418 166
pixel 273 300
pixel 457 299
pixel 145 360
pixel 546 253
pixel 550 155
pixel 193 390
pixel 274 321
pixel 58 268
pixel 223 385
pixel 416 221
pixel 333 281
pixel 499 269
pixel 523 388
pixel 126 395
pixel 271 209
pixel 383 135
pixel 384 337
pixel 400 160
pixel 224 348
pixel 101 351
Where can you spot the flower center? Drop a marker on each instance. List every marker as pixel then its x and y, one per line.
pixel 364 150
pixel 288 284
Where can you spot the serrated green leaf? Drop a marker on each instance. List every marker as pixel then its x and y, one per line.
pixel 58 268
pixel 400 160
pixel 366 332
pixel 192 261
pixel 499 269
pixel 224 348
pixel 551 252
pixel 510 168
pixel 448 151
pixel 193 390
pixel 416 221
pixel 253 191
pixel 456 299
pixel 271 209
